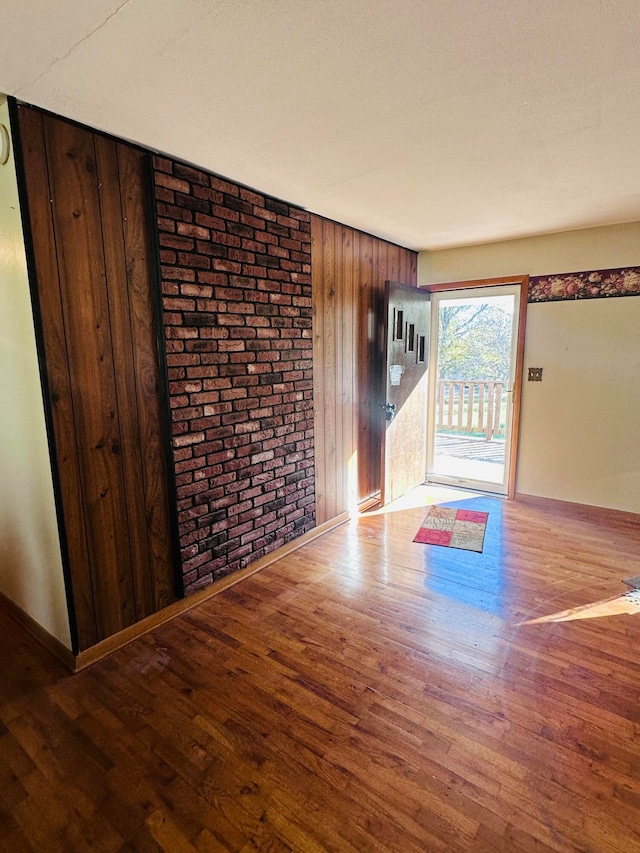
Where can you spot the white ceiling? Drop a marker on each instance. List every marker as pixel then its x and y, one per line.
pixel 432 123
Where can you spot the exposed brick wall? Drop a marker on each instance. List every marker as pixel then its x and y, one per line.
pixel 236 285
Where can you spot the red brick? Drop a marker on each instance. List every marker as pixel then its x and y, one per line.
pixel 181 333
pixel 177 273
pixel 224 265
pixel 170 304
pixel 243 358
pixel 208 193
pixel 178 213
pixel 216 383
pixel 202 291
pixel 212 222
pixel 172 183
pixel 196 176
pixel 182 440
pixel 278 252
pixel 217 409
pixel 244 308
pixel 231 346
pixel 254 271
pixel 188 229
pixel 251 221
pixel 253 246
pixel 210 278
pixel 233 394
pixel 205 397
pixel 186 414
pixel 162 164
pixel 164 224
pixel 251 196
pixel 174 241
pixel 227 406
pixel 224 186
pixel 262 213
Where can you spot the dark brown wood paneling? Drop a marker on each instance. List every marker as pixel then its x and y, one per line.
pixel 122 352
pixel 369 418
pixel 349 270
pixel 85 305
pixel 349 358
pixel 86 197
pixel 331 311
pixel 151 441
pixel 57 368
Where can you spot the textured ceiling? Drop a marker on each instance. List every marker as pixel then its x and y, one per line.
pixel 430 122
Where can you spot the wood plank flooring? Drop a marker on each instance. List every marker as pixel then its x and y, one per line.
pixel 366 693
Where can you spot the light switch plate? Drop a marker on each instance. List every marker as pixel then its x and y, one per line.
pixel 535 374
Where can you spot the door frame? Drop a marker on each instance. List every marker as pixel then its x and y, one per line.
pixel 523 282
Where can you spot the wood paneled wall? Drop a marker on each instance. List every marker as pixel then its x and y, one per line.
pixel 349 269
pixel 91 267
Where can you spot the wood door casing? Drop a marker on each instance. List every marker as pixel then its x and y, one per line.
pixel 86 203
pixel 516 400
pixel 406 356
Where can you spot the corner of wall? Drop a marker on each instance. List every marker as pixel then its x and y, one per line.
pixel 31 574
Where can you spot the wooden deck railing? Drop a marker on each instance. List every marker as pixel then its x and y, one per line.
pixel 471 405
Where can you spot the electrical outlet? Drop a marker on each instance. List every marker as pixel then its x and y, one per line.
pixel 535 374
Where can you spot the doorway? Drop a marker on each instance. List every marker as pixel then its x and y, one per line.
pixel 475 370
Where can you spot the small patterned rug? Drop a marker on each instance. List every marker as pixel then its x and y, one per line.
pixel 453 528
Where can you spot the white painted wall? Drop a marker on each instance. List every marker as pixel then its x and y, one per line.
pixel 569 251
pixel 579 428
pixel 30 561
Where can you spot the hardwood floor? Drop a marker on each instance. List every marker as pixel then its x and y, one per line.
pixel 366 693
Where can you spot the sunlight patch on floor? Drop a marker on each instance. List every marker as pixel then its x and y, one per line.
pixel 425 495
pixel 628 603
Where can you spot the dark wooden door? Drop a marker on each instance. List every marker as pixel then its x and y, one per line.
pixel 92 270
pixel 406 358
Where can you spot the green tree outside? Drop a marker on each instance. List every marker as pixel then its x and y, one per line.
pixel 474 342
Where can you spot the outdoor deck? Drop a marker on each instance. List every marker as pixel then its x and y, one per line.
pixel 471 405
pixel 469 458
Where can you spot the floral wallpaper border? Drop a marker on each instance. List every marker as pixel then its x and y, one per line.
pixel 597 284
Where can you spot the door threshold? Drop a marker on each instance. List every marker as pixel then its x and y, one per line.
pixel 466 488
pixel 369 504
